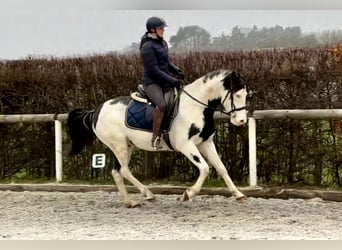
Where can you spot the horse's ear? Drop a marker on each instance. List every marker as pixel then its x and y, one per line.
pixel 234 74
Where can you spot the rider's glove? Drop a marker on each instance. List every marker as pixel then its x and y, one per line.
pixel 179 84
pixel 180 75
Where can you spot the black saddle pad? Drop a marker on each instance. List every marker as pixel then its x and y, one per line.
pixel 139 115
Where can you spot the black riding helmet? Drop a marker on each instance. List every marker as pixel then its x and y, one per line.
pixel 155 22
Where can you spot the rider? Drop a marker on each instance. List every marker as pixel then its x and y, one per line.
pixel 156 77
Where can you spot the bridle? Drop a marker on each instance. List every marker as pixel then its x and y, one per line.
pixel 221 106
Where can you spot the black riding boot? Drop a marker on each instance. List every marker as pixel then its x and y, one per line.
pixel 157 120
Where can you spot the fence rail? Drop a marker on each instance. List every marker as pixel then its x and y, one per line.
pixel 321 114
pixel 33 118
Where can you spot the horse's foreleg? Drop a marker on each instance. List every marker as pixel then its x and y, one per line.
pixel 208 149
pixel 192 153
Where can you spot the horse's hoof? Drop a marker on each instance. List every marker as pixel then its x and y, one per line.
pixel 185 196
pixel 132 204
pixel 242 199
pixel 150 199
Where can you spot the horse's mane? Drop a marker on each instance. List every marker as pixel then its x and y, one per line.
pixel 217 73
pixel 232 80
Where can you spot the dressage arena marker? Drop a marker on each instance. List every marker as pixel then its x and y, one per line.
pixel 320 114
pixel 98 160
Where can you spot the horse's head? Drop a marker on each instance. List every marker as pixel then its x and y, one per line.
pixel 235 97
pixel 226 92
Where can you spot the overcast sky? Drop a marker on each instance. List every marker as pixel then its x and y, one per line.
pixel 70 32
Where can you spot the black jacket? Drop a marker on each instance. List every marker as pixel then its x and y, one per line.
pixel 155 56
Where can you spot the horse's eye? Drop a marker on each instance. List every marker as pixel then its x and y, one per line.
pixel 238 96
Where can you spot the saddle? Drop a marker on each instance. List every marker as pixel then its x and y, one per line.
pixel 139 112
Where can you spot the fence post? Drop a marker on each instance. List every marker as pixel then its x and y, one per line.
pixel 252 152
pixel 58 150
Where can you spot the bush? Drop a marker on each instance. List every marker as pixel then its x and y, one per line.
pixel 288 151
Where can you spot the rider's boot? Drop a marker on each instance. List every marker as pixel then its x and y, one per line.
pixel 157 120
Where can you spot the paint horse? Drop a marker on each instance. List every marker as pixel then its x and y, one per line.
pixel 190 133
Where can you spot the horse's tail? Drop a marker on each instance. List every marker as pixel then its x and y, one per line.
pixel 80 129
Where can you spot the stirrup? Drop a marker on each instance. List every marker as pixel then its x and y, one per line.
pixel 156 143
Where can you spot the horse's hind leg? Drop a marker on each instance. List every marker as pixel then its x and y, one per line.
pixel 123 155
pixel 122 190
pixel 126 173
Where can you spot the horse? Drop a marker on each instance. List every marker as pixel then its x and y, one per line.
pixel 191 132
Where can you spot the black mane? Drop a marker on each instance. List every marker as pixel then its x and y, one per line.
pixel 233 81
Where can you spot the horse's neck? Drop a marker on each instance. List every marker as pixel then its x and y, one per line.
pixel 204 92
pixel 193 104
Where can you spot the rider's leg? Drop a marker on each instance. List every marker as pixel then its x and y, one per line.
pixel 157 120
pixel 156 95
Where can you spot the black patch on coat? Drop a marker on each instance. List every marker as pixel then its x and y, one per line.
pixel 193 130
pixel 120 99
pixel 196 158
pixel 208 113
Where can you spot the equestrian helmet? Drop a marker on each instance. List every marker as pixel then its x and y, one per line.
pixel 155 22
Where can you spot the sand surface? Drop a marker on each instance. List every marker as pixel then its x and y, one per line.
pixel 100 215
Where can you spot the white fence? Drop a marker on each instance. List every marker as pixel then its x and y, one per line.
pixel 57 118
pixel 321 114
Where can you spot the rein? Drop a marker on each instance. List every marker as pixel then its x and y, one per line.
pixel 233 108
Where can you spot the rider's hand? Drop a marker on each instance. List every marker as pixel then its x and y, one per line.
pixel 180 75
pixel 179 84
